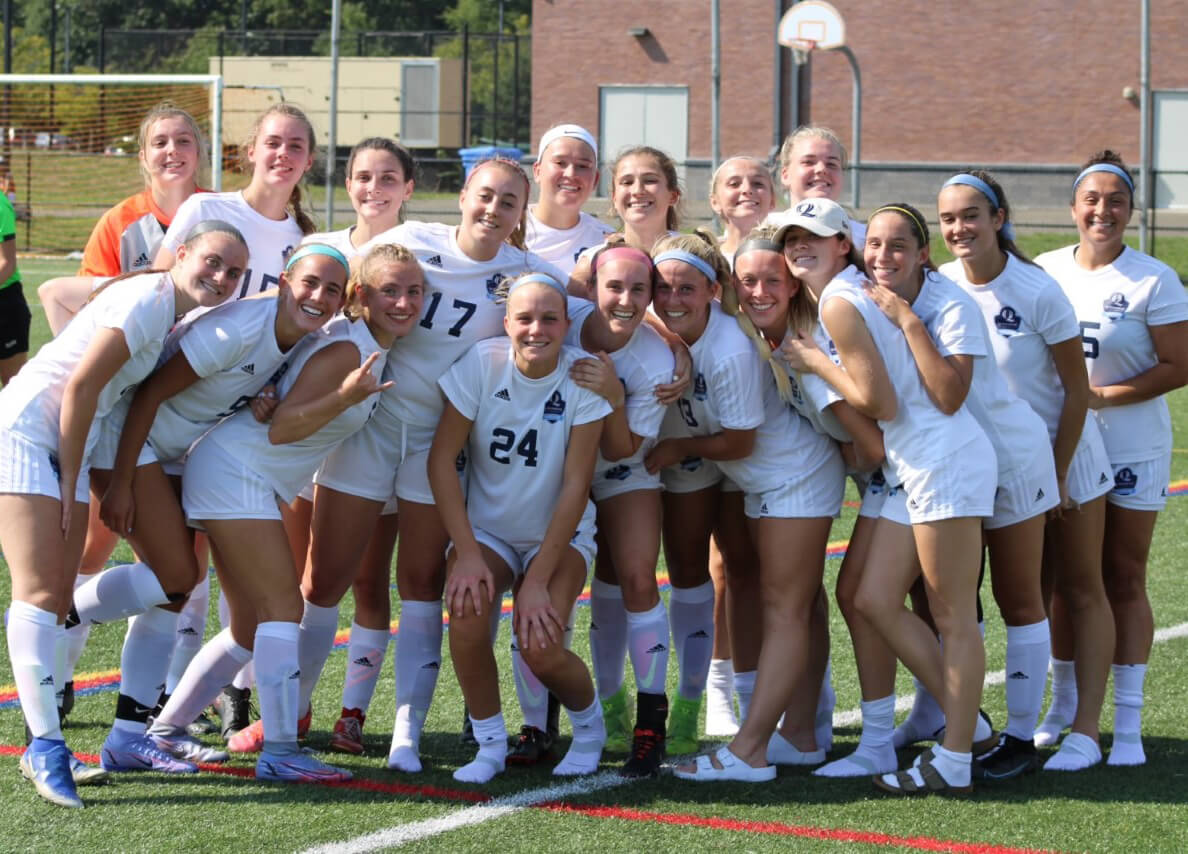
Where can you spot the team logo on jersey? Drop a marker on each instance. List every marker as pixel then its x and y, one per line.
pixel 699 387
pixel 285 253
pixel 249 369
pixel 578 254
pixel 1007 321
pixel 795 388
pixel 554 408
pixel 493 284
pixel 690 464
pixel 807 209
pixel 502 394
pixel 1125 481
pixel 434 261
pixel 619 472
pixel 1115 307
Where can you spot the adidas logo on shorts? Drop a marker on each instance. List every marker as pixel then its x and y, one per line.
pixel 503 394
pixel 1039 495
pixel 249 369
pixel 1102 479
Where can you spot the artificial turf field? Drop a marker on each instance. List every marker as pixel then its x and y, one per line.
pixel 1102 809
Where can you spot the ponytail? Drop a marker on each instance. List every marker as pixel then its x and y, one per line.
pixel 304 221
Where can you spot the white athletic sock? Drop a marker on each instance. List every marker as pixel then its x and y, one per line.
pixel 720 719
pixel 533 695
pixel 365 662
pixel 691 613
pixel 1064 703
pixel 76 638
pixel 191 627
pixel 924 720
pixel 278 680
pixel 744 687
pixel 1076 753
pixel 417 663
pixel 32 644
pixel 142 666
pixel 826 701
pixel 647 643
pixel 211 669
pixel 875 753
pixel 117 593
pixel 1128 715
pixel 1027 651
pixel 608 636
pixel 589 737
pixel 953 767
pixel 491 734
pixel 314 642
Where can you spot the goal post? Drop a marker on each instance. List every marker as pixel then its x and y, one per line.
pixel 70 145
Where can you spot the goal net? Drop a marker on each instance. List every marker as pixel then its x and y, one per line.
pixel 70 145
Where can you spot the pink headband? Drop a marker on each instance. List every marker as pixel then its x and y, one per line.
pixel 623 252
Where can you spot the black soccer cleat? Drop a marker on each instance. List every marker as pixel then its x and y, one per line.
pixel 1011 757
pixel 234 708
pixel 531 747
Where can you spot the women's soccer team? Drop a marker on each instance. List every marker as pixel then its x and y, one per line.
pixel 506 402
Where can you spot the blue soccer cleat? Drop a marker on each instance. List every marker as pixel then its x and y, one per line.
pixel 46 764
pixel 130 751
pixel 298 768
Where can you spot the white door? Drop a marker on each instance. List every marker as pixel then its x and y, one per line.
pixel 643 115
pixel 1169 154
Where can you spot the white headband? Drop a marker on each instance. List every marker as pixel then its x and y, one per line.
pixel 555 133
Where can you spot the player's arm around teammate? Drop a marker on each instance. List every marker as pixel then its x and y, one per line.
pixel 526 521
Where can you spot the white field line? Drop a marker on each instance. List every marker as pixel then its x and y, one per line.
pixel 402 834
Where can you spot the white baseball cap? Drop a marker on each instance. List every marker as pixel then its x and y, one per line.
pixel 823 217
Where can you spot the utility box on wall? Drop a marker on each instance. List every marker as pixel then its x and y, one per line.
pixel 415 100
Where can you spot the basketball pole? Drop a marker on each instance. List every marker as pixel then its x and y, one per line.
pixel 332 142
pixel 1145 176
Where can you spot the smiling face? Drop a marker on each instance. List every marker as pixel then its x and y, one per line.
pixel 170 152
pixel 392 299
pixel 967 224
pixel 316 287
pixel 209 268
pixel 566 174
pixel 894 258
pixel 743 193
pixel 378 187
pixel 813 258
pixel 641 194
pixel 282 151
pixel 814 170
pixel 622 293
pixel 536 324
pixel 682 298
pixel 1101 209
pixel 765 290
pixel 492 204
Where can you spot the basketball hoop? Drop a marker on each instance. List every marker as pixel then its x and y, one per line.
pixel 810 25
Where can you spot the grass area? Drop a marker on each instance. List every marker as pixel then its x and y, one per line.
pixel 1103 809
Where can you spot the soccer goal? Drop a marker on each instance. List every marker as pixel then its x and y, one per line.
pixel 70 144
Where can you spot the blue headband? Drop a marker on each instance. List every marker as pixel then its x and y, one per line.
pixel 1008 230
pixel 307 249
pixel 690 259
pixel 538 279
pixel 1105 167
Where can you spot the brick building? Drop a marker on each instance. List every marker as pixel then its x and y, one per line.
pixel 1036 83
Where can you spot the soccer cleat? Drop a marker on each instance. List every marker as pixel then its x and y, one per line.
pixel 201 726
pixel 46 764
pixel 466 737
pixel 531 747
pixel 86 775
pixel 348 732
pixel 131 751
pixel 67 700
pixel 1011 757
pixel 181 745
pixel 251 740
pixel 647 752
pixel 618 721
pixel 298 768
pixel 682 727
pixel 234 708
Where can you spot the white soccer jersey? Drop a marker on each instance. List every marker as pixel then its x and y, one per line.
pixel 519 437
pixel 290 467
pixel 811 398
pixel 919 435
pixel 141 307
pixel 460 310
pixel 1115 306
pixel 956 325
pixel 270 242
pixel 641 364
pixel 340 240
pixel 563 246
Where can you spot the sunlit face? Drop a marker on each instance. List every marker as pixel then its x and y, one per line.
pixel 393 298
pixel 812 257
pixel 566 173
pixel 893 257
pixel 813 171
pixel 378 187
pixel 210 268
pixel 743 193
pixel 170 153
pixel 492 204
pixel 536 324
pixel 968 226
pixel 641 195
pixel 1101 208
pixel 682 298
pixel 765 289
pixel 622 293
pixel 316 285
pixel 281 153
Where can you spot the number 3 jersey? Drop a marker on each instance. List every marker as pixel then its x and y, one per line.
pixel 519 436
pixel 460 309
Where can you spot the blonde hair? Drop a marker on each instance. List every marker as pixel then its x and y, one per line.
pixel 802 316
pixel 517 237
pixel 758 161
pixel 304 221
pixel 366 269
pixel 701 243
pixel 810 132
pixel 169 110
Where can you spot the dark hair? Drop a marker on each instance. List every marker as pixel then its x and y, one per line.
pixel 668 168
pixel 916 222
pixel 381 143
pixel 1107 155
pixel 1006 244
pixel 516 238
pixel 304 221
